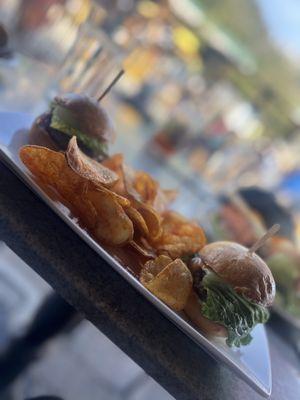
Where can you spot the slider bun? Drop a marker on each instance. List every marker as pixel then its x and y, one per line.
pixel 90 117
pixel 193 311
pixel 245 272
pixel 38 134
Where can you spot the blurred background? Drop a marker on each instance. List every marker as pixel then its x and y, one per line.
pixel 209 104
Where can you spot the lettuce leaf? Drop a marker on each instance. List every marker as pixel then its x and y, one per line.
pixel 68 126
pixel 236 313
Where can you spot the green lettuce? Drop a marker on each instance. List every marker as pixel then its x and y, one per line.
pixel 222 305
pixel 62 121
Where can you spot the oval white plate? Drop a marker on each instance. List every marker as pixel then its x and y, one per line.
pixel 251 363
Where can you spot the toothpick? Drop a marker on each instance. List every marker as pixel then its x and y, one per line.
pixel 260 242
pixel 114 81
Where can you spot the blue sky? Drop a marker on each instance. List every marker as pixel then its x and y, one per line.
pixel 283 21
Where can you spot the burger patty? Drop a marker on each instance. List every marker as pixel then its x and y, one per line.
pixel 196 265
pixel 198 287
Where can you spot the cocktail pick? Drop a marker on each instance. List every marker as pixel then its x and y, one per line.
pixel 113 82
pixel 260 242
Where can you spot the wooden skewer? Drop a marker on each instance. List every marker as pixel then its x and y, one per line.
pixel 114 81
pixel 260 242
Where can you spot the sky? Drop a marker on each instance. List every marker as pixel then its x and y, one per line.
pixel 283 22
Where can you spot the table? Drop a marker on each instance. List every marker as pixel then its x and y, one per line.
pixel 72 268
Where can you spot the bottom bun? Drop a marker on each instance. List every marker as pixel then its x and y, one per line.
pixel 38 134
pixel 193 311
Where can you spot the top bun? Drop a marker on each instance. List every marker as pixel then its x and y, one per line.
pixel 245 272
pixel 90 118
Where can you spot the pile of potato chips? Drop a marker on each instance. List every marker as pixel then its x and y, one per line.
pixel 121 206
pixel 170 280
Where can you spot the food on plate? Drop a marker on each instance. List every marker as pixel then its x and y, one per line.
pixel 284 263
pixel 143 248
pixel 138 221
pixel 243 217
pixel 223 287
pixel 98 208
pixel 74 115
pixel 144 189
pixel 88 168
pixel 170 280
pixel 138 185
pixel 232 288
pixel 179 236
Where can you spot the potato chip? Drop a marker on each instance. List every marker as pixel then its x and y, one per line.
pixel 171 281
pixel 123 201
pixel 153 268
pixel 144 193
pixel 112 224
pixel 51 168
pixel 152 218
pixel 143 250
pixel 115 164
pixel 146 186
pixel 179 236
pixel 138 221
pixel 88 168
pixel 144 189
pixel 99 209
pixel 85 211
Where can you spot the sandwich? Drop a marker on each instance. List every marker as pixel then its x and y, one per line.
pixel 74 115
pixel 232 288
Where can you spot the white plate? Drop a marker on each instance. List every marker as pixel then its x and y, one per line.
pixel 251 363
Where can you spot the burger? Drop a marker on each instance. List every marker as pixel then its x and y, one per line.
pixel 232 288
pixel 74 115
